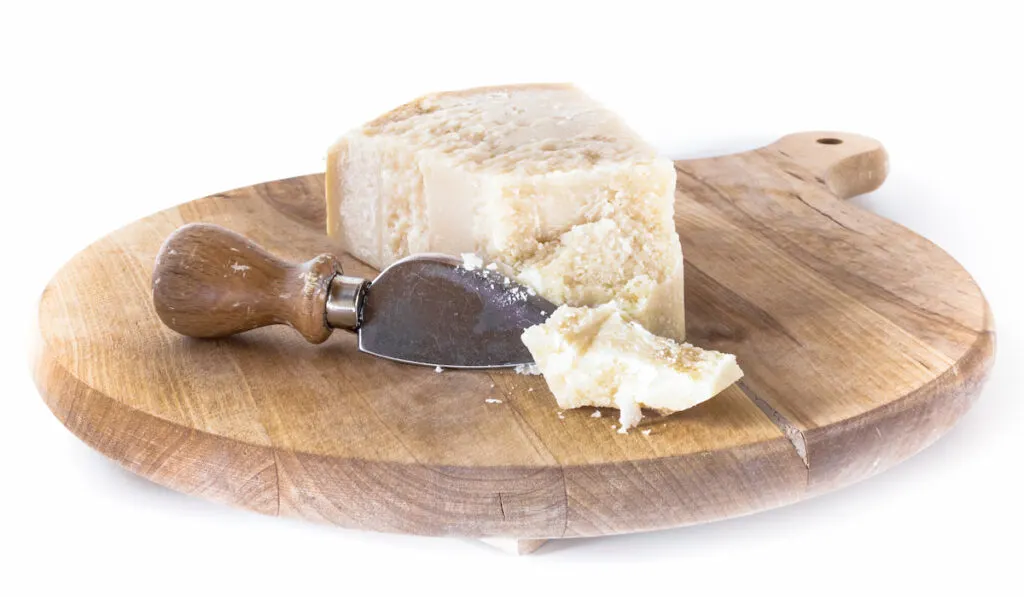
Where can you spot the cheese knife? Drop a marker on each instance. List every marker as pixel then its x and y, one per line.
pixel 426 309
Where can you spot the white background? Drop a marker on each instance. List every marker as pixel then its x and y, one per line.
pixel 111 112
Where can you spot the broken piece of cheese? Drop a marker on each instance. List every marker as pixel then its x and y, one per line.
pixel 539 177
pixel 597 357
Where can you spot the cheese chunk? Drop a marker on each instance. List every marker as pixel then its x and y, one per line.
pixel 598 357
pixel 538 177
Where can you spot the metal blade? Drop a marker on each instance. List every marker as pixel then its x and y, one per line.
pixel 429 310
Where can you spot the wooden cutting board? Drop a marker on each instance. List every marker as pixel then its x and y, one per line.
pixel 862 343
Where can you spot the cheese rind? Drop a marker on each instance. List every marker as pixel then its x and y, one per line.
pixel 599 357
pixel 538 177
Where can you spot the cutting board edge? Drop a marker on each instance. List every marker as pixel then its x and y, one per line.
pixel 63 393
pixel 94 418
pixel 918 420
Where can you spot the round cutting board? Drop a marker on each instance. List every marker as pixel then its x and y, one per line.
pixel 862 343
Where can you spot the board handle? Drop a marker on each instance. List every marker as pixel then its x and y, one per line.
pixel 210 282
pixel 847 164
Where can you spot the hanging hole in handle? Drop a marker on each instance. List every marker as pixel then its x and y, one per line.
pixel 830 141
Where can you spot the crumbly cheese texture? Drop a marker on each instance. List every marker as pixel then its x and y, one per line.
pixel 539 177
pixel 599 357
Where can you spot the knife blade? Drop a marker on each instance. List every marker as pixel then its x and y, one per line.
pixel 427 309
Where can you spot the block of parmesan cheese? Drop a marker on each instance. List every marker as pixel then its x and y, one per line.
pixel 598 357
pixel 538 177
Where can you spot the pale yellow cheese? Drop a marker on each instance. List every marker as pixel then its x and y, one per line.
pixel 598 357
pixel 538 177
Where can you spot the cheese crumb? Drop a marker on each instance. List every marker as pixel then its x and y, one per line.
pixel 492 401
pixel 471 261
pixel 595 415
pixel 528 369
pixel 438 369
pixel 646 432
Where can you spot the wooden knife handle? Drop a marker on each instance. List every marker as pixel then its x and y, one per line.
pixel 210 282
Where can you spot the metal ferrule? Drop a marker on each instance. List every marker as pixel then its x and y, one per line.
pixel 345 302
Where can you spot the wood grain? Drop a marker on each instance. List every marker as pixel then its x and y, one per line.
pixel 861 341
